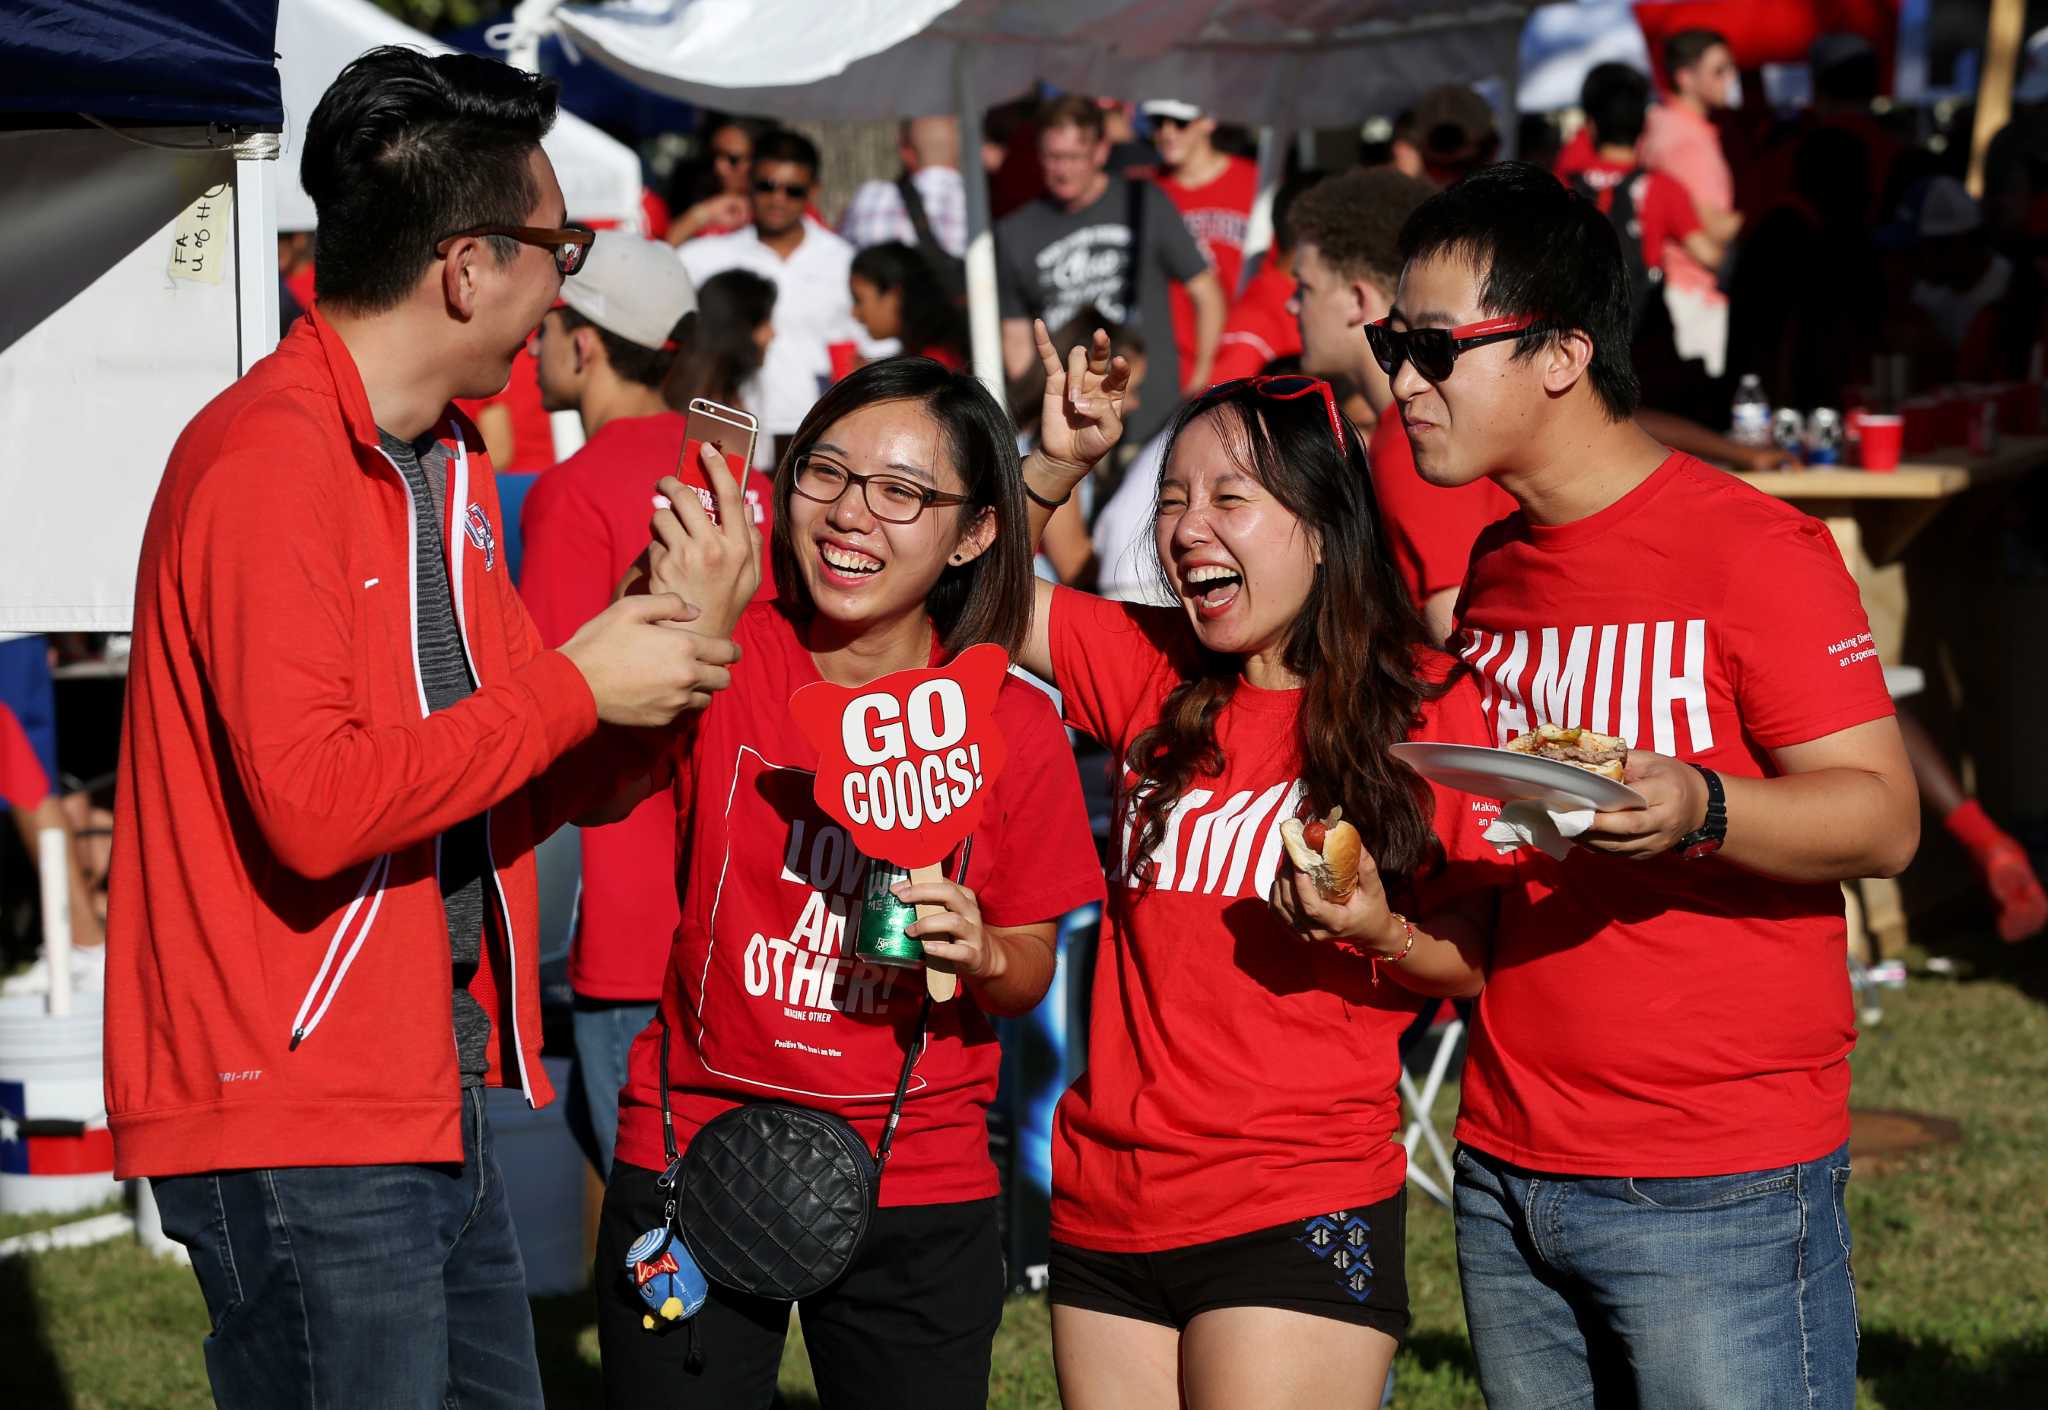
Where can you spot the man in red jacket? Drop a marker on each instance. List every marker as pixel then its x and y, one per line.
pixel 342 741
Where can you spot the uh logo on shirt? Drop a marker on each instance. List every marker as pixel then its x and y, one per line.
pixel 1633 679
pixel 1213 844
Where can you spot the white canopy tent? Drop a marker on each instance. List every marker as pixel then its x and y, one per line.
pixel 1276 63
pixel 316 38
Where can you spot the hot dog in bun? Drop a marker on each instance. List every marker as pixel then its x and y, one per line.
pixel 1327 849
pixel 1602 754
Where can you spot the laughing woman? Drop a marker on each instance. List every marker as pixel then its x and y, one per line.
pixel 900 540
pixel 1227 1191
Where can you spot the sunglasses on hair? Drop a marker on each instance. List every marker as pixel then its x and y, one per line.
pixel 794 190
pixel 1290 386
pixel 570 244
pixel 1434 351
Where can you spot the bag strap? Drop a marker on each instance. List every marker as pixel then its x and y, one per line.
pixel 924 1019
pixel 920 221
pixel 1134 220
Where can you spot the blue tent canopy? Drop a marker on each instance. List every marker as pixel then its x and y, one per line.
pixel 140 61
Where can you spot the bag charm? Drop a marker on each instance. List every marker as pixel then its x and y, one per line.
pixel 662 1271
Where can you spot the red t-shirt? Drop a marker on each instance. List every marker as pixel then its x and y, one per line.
pixel 583 524
pixel 23 784
pixel 1238 1075
pixel 1576 155
pixel 1218 215
pixel 1430 530
pixel 533 438
pixel 1664 209
pixel 764 1000
pixel 1260 327
pixel 1667 1017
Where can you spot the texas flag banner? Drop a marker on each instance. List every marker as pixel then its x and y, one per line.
pixel 34 1142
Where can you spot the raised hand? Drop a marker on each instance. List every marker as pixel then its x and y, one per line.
pixel 713 565
pixel 1082 418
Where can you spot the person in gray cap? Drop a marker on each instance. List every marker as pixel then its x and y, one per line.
pixel 605 351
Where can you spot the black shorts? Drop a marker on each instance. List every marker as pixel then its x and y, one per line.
pixel 909 1327
pixel 1349 1264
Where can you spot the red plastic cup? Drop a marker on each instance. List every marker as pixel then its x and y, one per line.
pixel 1883 438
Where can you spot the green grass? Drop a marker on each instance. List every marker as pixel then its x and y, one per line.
pixel 1949 1253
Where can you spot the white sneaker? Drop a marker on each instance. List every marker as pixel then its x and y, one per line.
pixel 88 974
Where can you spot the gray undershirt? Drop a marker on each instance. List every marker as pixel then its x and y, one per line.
pixel 444 674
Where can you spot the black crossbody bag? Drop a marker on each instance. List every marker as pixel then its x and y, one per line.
pixel 776 1199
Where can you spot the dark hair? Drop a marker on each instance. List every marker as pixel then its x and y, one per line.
pixel 1284 197
pixel 718 350
pixel 1355 221
pixel 649 367
pixel 782 145
pixel 1615 98
pixel 1538 249
pixel 987 599
pixel 1125 339
pixel 1686 48
pixel 404 149
pixel 1074 110
pixel 930 318
pixel 1358 646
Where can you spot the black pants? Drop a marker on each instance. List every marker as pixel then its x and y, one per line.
pixel 908 1328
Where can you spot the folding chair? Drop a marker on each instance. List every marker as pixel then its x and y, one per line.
pixel 1442 1031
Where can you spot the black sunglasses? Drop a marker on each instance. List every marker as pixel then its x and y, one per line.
pixel 795 191
pixel 1434 351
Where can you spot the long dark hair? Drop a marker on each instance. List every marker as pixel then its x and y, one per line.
pixel 930 319
pixel 1359 646
pixel 717 351
pixel 989 597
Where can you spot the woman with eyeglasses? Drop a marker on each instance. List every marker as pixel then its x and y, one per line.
pixel 1227 1188
pixel 900 539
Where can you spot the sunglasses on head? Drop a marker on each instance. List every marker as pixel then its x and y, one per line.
pixel 794 190
pixel 1434 351
pixel 1286 387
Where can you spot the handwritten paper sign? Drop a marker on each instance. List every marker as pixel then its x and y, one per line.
pixel 203 236
pixel 905 762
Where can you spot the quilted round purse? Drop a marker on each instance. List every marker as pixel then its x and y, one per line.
pixel 775 1199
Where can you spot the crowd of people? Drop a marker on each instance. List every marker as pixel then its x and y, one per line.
pixel 1428 467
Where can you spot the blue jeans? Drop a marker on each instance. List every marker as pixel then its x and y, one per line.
pixel 1720 1292
pixel 394 1286
pixel 604 1034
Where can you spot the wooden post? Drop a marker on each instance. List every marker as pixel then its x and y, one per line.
pixel 1994 83
pixel 941 984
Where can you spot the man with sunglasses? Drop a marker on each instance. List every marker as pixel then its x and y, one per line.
pixel 1653 1134
pixel 815 336
pixel 1347 257
pixel 342 742
pixel 1213 191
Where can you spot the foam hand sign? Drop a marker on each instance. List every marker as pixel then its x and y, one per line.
pixel 905 762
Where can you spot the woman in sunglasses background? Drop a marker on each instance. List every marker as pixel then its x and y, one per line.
pixel 900 539
pixel 1227 1192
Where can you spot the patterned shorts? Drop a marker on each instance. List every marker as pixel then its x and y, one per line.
pixel 1348 1264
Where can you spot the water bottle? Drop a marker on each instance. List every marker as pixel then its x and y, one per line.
pixel 1750 422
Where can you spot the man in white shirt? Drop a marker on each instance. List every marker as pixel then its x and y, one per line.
pixel 930 149
pixel 808 264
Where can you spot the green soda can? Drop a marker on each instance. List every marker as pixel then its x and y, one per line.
pixel 884 919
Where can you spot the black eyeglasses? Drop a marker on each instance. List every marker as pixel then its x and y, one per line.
pixel 795 191
pixel 890 498
pixel 1434 351
pixel 570 244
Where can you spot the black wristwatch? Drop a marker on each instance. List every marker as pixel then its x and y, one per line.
pixel 1706 839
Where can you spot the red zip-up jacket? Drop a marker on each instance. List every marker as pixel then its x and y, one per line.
pixel 278 982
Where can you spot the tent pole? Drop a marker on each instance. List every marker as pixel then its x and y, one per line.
pixel 2002 37
pixel 985 335
pixel 255 217
pixel 1258 236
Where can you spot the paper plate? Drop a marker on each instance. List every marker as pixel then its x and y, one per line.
pixel 1512 777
